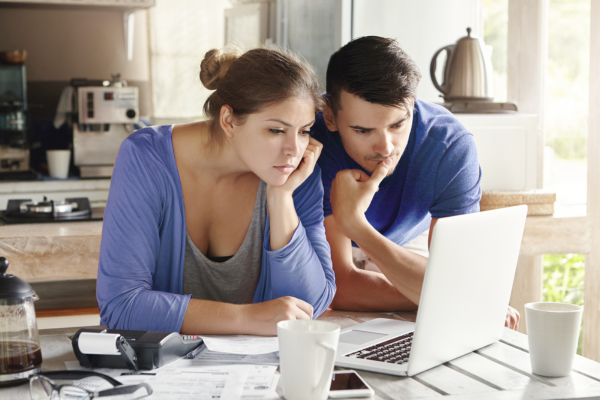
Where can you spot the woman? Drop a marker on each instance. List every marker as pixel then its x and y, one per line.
pixel 217 226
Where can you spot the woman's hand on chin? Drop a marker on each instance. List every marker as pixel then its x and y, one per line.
pixel 280 204
pixel 305 168
pixel 262 318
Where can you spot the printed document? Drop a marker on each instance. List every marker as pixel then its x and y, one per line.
pixel 207 382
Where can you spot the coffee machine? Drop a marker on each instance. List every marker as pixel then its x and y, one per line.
pixel 14 124
pixel 105 117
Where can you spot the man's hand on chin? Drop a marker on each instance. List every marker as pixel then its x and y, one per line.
pixel 351 193
pixel 512 319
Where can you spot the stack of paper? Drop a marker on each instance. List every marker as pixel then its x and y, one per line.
pixel 206 356
pixel 238 349
pixel 224 367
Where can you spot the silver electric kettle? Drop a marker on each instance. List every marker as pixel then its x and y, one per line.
pixel 468 73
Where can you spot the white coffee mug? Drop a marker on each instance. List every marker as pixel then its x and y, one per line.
pixel 306 354
pixel 58 163
pixel 553 333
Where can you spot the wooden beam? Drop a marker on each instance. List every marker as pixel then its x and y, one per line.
pixel 527 56
pixel 591 312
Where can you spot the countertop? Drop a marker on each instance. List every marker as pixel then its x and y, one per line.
pixel 54 185
pixel 57 229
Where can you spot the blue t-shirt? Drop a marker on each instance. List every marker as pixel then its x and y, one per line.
pixel 437 176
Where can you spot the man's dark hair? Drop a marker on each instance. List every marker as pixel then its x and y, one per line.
pixel 375 69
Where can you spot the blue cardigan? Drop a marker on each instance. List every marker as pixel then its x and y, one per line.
pixel 140 274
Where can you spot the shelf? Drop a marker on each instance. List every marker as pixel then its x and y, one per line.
pixel 120 5
pixel 127 7
pixel 556 235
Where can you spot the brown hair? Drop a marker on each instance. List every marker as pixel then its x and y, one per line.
pixel 375 69
pixel 248 82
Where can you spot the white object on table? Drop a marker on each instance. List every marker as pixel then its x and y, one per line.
pixel 306 353
pixel 553 333
pixel 241 344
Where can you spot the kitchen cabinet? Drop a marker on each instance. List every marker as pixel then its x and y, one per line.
pixel 510 150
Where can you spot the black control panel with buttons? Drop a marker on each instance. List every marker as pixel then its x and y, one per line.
pixel 90 105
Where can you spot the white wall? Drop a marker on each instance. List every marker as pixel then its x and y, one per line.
pixel 420 27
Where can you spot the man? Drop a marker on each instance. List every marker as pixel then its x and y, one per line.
pixel 392 165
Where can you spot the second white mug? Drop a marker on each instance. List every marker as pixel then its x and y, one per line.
pixel 306 354
pixel 553 333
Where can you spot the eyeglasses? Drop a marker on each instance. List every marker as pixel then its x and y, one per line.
pixel 42 387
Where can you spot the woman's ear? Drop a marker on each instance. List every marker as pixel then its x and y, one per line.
pixel 226 120
pixel 329 119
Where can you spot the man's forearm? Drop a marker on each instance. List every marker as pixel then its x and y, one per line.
pixel 360 290
pixel 403 268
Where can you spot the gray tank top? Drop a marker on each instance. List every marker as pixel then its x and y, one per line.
pixel 234 280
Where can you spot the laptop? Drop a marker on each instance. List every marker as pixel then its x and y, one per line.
pixel 464 299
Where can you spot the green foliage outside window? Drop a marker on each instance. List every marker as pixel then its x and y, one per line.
pixel 563 280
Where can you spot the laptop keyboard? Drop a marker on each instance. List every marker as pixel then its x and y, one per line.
pixel 394 351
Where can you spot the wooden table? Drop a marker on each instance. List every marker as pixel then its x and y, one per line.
pixel 499 371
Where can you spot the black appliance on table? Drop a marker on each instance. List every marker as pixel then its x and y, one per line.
pixel 118 348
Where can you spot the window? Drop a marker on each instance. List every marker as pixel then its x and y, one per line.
pixel 181 32
pixel 566 103
pixel 495 35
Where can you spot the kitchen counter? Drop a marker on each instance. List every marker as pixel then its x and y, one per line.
pixel 54 185
pixel 52 251
pixel 61 259
pixel 70 250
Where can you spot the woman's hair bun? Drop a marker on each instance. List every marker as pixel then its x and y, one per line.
pixel 216 63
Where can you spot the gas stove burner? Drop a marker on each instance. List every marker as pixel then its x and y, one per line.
pixel 25 210
pixel 46 206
